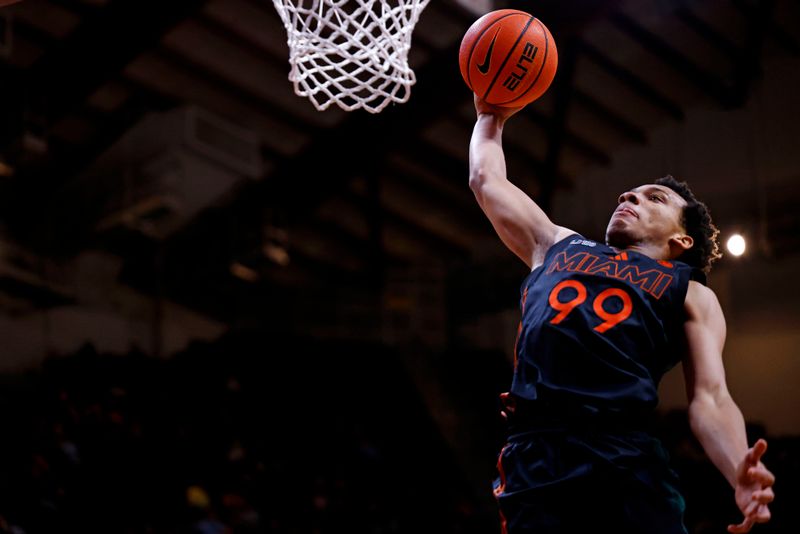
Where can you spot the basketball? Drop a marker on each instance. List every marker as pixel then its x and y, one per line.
pixel 508 58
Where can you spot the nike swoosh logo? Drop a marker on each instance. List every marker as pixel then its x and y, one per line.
pixel 483 68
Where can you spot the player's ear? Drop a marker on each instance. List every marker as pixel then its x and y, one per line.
pixel 681 243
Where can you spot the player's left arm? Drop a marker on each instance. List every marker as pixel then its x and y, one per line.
pixel 713 415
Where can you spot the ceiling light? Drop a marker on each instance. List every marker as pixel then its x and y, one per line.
pixel 276 253
pixel 736 245
pixel 244 272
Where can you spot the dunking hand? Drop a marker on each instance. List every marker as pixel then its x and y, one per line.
pixel 753 489
pixel 482 107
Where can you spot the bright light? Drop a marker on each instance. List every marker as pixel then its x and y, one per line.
pixel 244 272
pixel 736 245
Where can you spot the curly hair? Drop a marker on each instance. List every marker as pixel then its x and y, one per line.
pixel 698 224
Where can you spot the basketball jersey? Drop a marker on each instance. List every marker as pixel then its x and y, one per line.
pixel 599 328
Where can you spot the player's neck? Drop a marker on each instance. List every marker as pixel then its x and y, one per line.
pixel 652 251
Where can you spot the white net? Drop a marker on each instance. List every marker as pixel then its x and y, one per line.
pixel 353 53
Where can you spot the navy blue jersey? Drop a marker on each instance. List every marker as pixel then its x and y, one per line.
pixel 599 328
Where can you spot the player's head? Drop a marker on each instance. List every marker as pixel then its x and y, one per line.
pixel 667 214
pixel 696 220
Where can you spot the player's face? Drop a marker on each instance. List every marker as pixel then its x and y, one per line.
pixel 647 214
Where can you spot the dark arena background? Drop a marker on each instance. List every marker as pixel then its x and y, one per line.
pixel 223 311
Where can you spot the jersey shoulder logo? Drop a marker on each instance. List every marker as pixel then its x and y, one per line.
pixel 583 242
pixel 483 68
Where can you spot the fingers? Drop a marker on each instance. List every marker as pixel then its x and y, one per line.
pixel 480 105
pixel 478 101
pixel 758 450
pixel 483 107
pixel 744 526
pixel 762 514
pixel 762 475
pixel 765 496
pixel 751 509
pixel 756 512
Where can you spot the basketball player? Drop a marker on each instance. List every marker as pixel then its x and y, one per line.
pixel 601 323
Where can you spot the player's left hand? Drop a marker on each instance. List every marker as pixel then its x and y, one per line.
pixel 753 489
pixel 484 108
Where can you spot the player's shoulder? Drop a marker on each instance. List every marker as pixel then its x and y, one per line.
pixel 556 238
pixel 561 233
pixel 560 236
pixel 700 299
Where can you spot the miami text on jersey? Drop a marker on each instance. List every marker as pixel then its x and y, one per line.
pixel 653 281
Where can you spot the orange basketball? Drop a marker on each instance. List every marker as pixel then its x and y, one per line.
pixel 508 58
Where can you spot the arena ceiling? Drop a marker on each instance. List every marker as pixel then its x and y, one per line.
pixel 327 198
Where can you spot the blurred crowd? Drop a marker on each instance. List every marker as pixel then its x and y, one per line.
pixel 224 438
pixel 244 437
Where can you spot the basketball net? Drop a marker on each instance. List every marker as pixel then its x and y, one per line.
pixel 353 53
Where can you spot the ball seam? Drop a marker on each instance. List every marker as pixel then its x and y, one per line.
pixel 511 50
pixel 475 45
pixel 544 62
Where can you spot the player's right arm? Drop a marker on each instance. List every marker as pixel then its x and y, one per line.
pixel 522 225
pixel 714 417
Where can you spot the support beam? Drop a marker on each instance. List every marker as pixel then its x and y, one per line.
pixel 645 90
pixel 776 32
pixel 709 33
pixel 747 64
pixel 106 40
pixel 31 33
pixel 661 49
pixel 460 199
pixel 517 149
pixel 241 94
pixel 338 153
pixel 39 195
pixel 61 81
pixel 562 87
pixel 375 216
pixel 425 234
pixel 582 145
pixel 616 121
